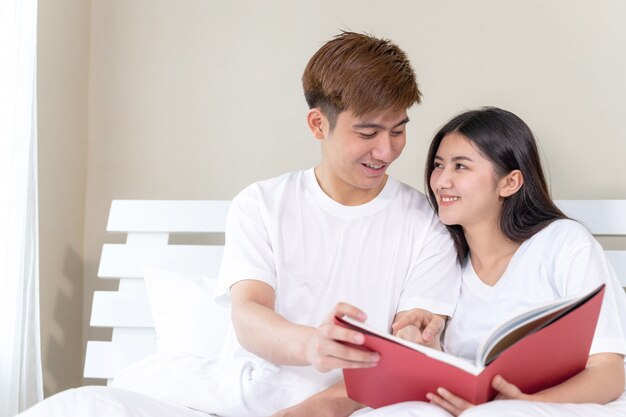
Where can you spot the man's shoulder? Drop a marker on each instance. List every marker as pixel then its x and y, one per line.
pixel 407 189
pixel 272 188
pixel 274 185
pixel 411 197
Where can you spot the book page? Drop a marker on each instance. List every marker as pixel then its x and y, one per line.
pixel 509 332
pixel 433 353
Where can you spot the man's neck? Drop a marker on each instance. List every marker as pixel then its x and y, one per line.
pixel 344 193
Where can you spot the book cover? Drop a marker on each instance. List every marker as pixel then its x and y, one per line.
pixel 534 351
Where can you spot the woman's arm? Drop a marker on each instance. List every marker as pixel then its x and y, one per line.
pixel 601 381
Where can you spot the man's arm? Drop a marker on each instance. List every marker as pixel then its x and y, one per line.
pixel 265 333
pixel 334 401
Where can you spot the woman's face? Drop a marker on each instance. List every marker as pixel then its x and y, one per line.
pixel 465 184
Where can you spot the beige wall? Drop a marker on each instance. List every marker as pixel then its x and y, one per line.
pixel 63 36
pixel 197 98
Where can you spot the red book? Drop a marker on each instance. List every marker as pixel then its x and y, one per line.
pixel 535 350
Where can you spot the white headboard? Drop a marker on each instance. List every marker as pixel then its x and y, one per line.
pixel 149 224
pixel 602 218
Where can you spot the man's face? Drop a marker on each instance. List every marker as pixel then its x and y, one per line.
pixel 357 153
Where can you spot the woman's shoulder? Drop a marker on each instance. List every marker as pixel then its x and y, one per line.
pixel 565 232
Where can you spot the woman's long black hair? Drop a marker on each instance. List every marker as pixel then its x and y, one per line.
pixel 505 140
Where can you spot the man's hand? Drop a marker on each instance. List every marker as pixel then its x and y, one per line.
pixel 419 326
pixel 326 349
pixel 265 333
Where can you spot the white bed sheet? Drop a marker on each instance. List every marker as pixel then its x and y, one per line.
pixel 99 401
pixel 186 385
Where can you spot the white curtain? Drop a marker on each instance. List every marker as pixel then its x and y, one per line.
pixel 20 352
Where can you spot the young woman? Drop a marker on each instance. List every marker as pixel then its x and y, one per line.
pixel 517 249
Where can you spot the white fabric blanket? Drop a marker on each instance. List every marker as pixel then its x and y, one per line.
pixel 182 384
pixel 97 401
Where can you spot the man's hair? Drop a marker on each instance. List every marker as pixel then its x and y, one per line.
pixel 360 73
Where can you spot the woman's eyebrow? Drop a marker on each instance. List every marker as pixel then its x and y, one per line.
pixel 456 158
pixel 462 158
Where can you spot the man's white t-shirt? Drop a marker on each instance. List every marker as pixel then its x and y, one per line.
pixel 388 255
pixel 560 261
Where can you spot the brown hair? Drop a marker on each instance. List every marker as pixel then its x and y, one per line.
pixel 361 73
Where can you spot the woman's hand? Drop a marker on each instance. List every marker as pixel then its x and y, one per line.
pixel 448 401
pixel 455 405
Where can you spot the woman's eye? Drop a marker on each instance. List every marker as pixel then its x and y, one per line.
pixel 460 166
pixel 437 165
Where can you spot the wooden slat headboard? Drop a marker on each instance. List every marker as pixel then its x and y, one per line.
pixel 148 225
pixel 602 218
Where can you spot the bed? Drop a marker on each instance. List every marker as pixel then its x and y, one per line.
pixel 161 234
pixel 167 270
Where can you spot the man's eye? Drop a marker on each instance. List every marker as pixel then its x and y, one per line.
pixel 367 135
pixel 397 133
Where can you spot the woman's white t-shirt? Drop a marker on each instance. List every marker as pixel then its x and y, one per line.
pixel 560 261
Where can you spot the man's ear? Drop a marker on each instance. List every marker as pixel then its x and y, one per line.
pixel 317 123
pixel 511 183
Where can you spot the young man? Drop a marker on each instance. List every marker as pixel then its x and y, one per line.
pixel 340 238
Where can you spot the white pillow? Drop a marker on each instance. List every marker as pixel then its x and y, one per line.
pixel 186 318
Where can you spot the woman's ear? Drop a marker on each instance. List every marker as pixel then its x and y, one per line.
pixel 316 121
pixel 511 183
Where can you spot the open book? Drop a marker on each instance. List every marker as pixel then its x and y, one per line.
pixel 537 349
